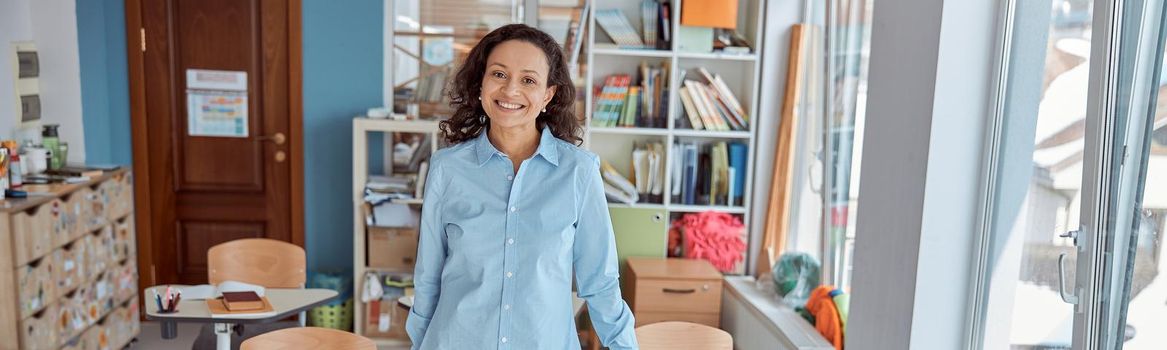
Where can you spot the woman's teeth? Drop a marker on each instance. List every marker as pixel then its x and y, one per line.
pixel 509 105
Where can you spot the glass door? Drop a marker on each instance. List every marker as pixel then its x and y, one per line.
pixel 1076 200
pixel 1129 310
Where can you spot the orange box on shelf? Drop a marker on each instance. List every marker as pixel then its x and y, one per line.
pixel 709 13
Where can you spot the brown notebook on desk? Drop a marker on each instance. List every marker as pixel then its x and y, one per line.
pixel 219 309
pixel 242 301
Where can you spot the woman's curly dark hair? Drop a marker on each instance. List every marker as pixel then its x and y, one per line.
pixel 464 90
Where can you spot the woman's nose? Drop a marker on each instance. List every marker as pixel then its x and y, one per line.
pixel 511 87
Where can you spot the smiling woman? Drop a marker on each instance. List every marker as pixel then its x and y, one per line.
pixel 515 73
pixel 513 210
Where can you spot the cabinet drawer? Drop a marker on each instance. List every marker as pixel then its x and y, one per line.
pixel 72 206
pixel 123 324
pixel 124 239
pixel 33 232
pixel 100 245
pixel 69 266
pixel 37 286
pixel 678 296
pixel 125 281
pixel 39 330
pixel 119 194
pixel 92 214
pixel 650 317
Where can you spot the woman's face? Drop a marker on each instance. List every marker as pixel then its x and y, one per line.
pixel 514 86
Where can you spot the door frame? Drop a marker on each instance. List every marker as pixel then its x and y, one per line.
pixel 135 35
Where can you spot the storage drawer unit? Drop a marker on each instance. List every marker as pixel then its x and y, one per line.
pixel 660 289
pixel 67 273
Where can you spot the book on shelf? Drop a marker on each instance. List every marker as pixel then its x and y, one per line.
pixel 655 24
pixel 616 25
pixel 710 174
pixel 647 183
pixel 711 105
pixel 619 103
pixel 576 33
pixel 648 19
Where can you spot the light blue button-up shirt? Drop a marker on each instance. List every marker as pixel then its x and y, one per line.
pixel 495 257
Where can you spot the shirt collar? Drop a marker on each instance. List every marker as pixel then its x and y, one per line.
pixel 547 149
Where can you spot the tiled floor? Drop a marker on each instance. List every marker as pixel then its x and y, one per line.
pixel 151 338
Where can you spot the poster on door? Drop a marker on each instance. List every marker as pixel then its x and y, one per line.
pixel 216 103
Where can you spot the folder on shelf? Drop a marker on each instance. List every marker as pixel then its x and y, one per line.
pixel 640 169
pixel 737 161
pixel 616 187
pixel 689 177
pixel 709 13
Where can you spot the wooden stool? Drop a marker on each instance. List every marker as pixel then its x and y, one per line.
pixel 308 338
pixel 682 335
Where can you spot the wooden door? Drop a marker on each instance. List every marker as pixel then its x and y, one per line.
pixel 195 190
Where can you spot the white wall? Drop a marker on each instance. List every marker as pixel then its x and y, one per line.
pixel 14 26
pixel 52 26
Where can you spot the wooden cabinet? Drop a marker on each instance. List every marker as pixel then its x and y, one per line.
pixel 673 290
pixel 68 270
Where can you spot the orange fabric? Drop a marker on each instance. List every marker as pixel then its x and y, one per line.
pixel 826 315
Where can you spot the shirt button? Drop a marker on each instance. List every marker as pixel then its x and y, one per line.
pixel 510 177
pixel 504 339
pixel 511 241
pixel 509 274
pixel 506 307
pixel 513 209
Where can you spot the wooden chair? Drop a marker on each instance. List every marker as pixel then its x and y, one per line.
pixel 681 336
pixel 260 261
pixel 308 338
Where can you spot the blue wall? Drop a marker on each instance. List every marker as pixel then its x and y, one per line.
pixel 342 78
pixel 105 99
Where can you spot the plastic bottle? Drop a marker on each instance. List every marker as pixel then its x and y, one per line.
pixel 15 175
pixel 51 142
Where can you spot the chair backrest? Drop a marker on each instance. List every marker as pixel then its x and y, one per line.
pixel 682 335
pixel 308 338
pixel 266 262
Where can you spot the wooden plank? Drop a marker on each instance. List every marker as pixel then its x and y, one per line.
pixel 778 209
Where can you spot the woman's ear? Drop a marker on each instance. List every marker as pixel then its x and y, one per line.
pixel 550 95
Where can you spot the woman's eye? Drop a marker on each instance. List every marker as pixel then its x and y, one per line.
pixel 500 75
pixel 529 81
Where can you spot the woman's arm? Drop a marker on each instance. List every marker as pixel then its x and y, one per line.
pixel 596 272
pixel 431 257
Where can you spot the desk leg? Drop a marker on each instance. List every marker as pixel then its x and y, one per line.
pixel 169 329
pixel 223 336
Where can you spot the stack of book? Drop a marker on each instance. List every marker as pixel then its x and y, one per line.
pixel 654 20
pixel 645 105
pixel 710 174
pixel 710 105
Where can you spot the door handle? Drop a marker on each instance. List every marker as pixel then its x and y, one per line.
pixel 277 138
pixel 1069 298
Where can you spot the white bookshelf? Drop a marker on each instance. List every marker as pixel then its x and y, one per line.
pixel 362 127
pixel 740 72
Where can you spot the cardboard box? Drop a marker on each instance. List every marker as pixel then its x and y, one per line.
pixel 392 247
pixel 386 319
